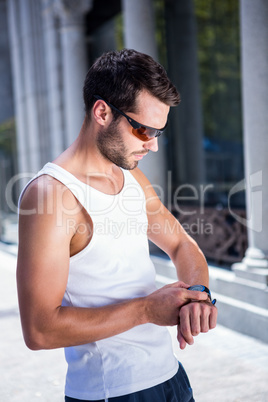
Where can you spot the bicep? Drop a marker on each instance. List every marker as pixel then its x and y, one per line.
pixel 42 256
pixel 163 228
pixel 43 261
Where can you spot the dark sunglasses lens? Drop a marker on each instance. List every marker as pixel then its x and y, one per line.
pixel 145 133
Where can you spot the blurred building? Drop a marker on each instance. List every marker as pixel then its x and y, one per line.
pixel 211 168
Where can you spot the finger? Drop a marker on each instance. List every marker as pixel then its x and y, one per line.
pixel 195 317
pixel 180 338
pixel 213 317
pixel 204 319
pixel 180 284
pixel 185 327
pixel 196 295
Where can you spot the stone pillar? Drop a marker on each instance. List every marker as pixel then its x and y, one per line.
pixel 29 79
pixel 7 108
pixel 74 62
pixel 18 83
pixel 139 26
pixel 35 83
pixel 139 29
pixel 53 62
pixel 186 123
pixel 254 38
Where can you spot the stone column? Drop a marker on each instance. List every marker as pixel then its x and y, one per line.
pixel 35 83
pixel 139 26
pixel 186 122
pixel 139 29
pixel 53 62
pixel 74 62
pixel 254 37
pixel 18 83
pixel 30 82
pixel 7 108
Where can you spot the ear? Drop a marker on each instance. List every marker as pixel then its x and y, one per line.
pixel 102 113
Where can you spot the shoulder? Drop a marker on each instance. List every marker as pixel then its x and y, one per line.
pixel 46 193
pixel 153 203
pixel 141 178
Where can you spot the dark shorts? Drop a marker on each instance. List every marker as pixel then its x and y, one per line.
pixel 177 389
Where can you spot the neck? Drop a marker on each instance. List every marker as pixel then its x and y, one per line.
pixel 83 156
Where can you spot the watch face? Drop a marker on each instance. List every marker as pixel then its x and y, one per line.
pixel 200 288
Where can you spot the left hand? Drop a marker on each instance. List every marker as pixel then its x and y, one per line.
pixel 194 318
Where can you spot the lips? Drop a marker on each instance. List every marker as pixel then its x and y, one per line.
pixel 140 155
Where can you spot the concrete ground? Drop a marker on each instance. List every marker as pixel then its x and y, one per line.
pixel 223 366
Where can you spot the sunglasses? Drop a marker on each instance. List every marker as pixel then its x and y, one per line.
pixel 144 133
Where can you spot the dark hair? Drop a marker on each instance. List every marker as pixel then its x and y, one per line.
pixel 118 77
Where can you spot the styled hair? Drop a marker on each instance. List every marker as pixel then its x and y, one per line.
pixel 119 76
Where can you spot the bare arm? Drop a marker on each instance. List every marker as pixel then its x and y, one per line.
pixel 42 272
pixel 167 233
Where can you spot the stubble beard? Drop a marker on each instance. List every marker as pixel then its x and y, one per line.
pixel 111 146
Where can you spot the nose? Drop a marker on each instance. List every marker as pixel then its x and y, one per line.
pixel 152 145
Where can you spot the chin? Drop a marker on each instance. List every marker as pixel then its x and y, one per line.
pixel 128 166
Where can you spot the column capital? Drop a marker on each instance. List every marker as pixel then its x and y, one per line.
pixel 70 12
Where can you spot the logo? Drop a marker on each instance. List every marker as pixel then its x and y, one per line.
pixel 253 186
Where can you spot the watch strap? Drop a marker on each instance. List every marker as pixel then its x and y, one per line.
pixel 202 288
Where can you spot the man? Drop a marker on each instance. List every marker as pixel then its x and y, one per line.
pixel 85 278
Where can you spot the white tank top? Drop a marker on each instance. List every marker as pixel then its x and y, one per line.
pixel 113 267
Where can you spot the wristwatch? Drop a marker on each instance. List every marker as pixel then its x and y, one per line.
pixel 202 288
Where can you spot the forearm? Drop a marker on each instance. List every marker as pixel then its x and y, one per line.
pixel 194 318
pixel 70 326
pixel 191 264
pixel 48 328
